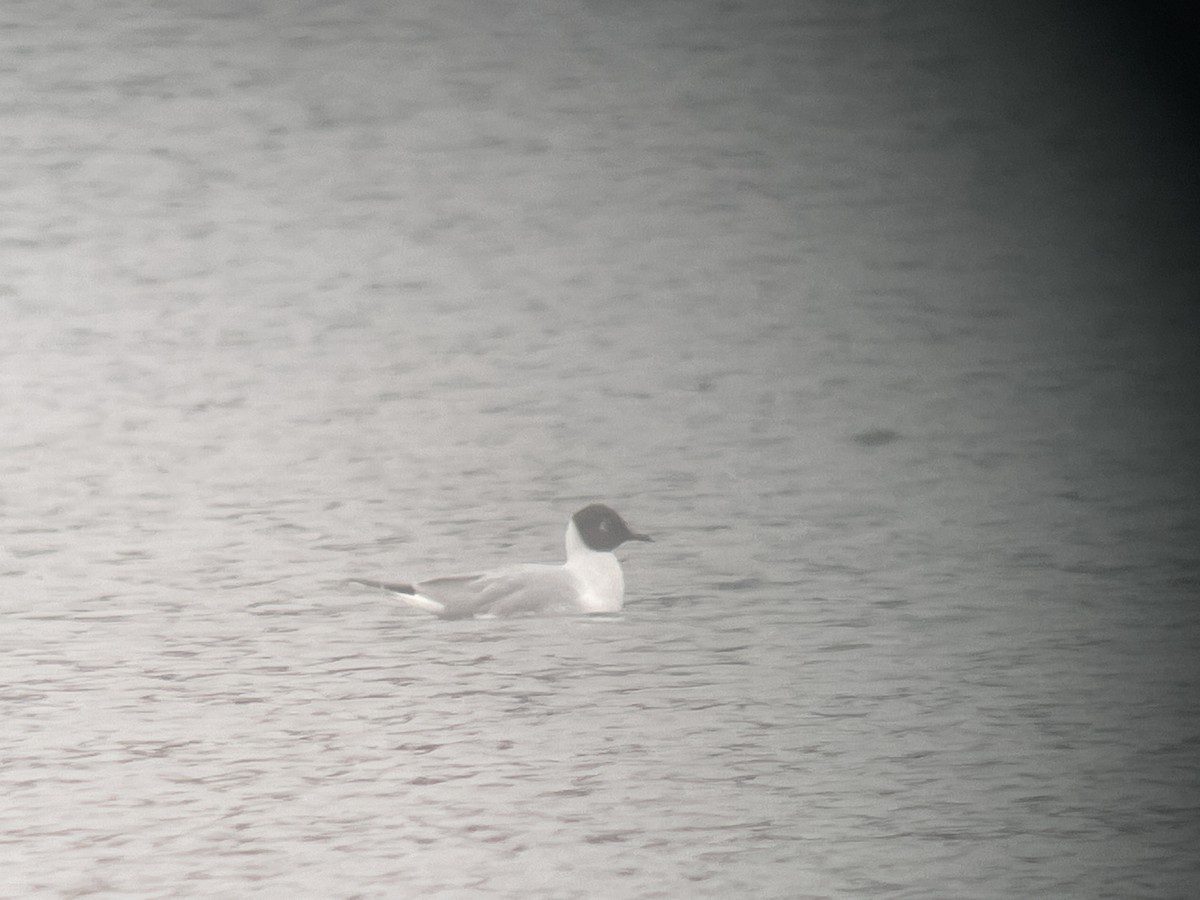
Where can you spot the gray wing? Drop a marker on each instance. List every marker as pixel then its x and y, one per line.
pixel 504 592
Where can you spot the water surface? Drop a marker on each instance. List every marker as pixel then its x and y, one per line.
pixel 879 318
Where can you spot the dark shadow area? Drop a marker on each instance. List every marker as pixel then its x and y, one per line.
pixel 1148 56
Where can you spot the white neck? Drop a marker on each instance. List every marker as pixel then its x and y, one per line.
pixel 598 571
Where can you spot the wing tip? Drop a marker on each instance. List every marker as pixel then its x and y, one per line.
pixel 395 587
pixel 407 593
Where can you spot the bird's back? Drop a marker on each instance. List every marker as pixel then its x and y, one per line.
pixel 512 590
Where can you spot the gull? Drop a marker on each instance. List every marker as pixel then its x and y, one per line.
pixel 590 581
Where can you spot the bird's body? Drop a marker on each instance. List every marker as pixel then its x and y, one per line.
pixel 590 581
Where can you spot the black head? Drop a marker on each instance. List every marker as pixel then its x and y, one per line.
pixel 602 529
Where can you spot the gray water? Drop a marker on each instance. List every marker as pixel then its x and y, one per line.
pixel 879 317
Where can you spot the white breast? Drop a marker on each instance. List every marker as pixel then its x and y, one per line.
pixel 601 581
